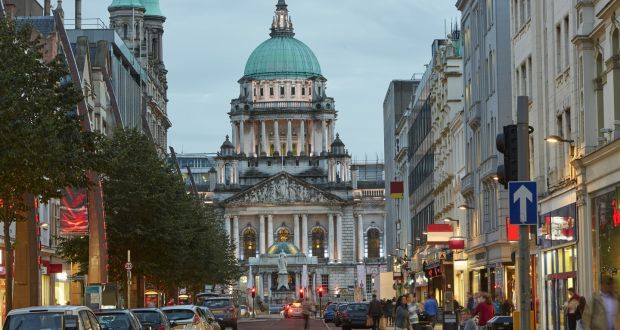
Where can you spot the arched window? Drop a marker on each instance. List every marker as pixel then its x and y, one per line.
pixel 283 235
pixel 318 242
pixel 373 243
pixel 249 243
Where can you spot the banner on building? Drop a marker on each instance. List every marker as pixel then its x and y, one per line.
pixel 74 212
pixel 397 189
pixel 439 233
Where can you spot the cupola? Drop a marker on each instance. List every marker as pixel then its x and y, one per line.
pixel 227 148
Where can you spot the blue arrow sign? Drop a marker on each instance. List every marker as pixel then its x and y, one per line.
pixel 522 200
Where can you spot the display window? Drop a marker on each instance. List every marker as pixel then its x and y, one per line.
pixel 558 227
pixel 606 225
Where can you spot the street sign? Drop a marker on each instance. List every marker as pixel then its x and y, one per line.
pixel 522 199
pixel 128 266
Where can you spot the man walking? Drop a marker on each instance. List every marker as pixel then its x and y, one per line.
pixel 431 308
pixel 307 308
pixel 375 311
pixel 603 312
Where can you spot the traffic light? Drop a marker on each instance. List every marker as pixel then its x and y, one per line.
pixel 320 292
pixel 507 144
pixel 301 293
pixel 253 292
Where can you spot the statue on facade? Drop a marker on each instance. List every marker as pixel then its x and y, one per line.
pixel 282 273
pixel 282 263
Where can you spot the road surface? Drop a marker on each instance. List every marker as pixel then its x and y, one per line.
pixel 280 324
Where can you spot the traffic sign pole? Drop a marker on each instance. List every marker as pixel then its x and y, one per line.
pixel 523 143
pixel 128 267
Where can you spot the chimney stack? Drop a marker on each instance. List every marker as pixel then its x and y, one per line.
pixel 78 14
pixel 47 7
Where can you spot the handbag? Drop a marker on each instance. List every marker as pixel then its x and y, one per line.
pixel 369 321
pixel 580 325
pixel 383 323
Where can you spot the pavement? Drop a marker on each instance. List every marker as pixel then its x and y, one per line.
pixel 275 322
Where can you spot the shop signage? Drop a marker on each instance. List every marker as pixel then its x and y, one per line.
pixel 433 269
pixel 421 279
pixel 74 212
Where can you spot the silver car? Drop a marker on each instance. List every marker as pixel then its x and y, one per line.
pixel 187 317
pixel 52 318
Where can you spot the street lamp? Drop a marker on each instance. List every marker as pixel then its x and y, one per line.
pixel 465 207
pixel 558 139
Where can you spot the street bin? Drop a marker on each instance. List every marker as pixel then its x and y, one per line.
pixel 450 321
pixel 500 323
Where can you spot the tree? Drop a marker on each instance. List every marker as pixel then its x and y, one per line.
pixel 42 148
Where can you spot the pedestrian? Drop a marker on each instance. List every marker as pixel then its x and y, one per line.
pixel 603 313
pixel 375 311
pixel 412 309
pixel 402 314
pixel 431 308
pixel 571 309
pixel 484 310
pixel 170 302
pixel 507 308
pixel 387 311
pixel 307 308
pixel 471 304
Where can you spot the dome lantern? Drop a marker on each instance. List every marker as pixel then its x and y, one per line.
pixel 338 146
pixel 227 148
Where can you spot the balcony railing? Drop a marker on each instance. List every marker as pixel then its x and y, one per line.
pixel 467 183
pixel 283 104
pixel 368 193
pixel 488 169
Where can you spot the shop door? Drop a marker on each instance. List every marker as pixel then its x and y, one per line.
pixel 557 295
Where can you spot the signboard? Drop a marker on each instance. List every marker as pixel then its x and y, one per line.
pixel 397 189
pixel 523 204
pixel 432 269
pixel 74 212
pixel 128 266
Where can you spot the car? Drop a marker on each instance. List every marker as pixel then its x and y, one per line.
pixel 355 316
pixel 340 308
pixel 153 318
pixel 329 313
pixel 210 318
pixel 118 319
pixel 275 309
pixel 295 310
pixel 243 311
pixel 225 311
pixel 52 318
pixel 186 317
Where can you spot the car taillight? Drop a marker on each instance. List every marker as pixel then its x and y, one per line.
pixel 231 309
pixel 161 327
pixel 196 320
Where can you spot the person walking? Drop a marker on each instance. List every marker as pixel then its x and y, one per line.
pixel 571 308
pixel 412 309
pixel 484 310
pixel 431 307
pixel 387 311
pixel 374 311
pixel 402 314
pixel 306 308
pixel 471 303
pixel 603 312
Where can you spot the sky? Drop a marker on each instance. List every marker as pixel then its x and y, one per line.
pixel 361 45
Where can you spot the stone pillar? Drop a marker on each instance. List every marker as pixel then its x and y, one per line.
pixel 304 234
pixel 302 138
pixel 360 238
pixel 330 134
pixel 264 139
pixel 235 140
pixel 297 283
pixel 227 226
pixel 289 138
pixel 236 235
pixel 269 230
pixel 339 237
pixel 296 233
pixel 330 232
pixel 324 137
pixel 253 138
pixel 261 234
pixel 312 138
pixel 241 138
pixel 276 135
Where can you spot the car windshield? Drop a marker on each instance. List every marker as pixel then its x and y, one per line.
pixel 179 314
pixel 357 308
pixel 217 303
pixel 331 307
pixel 148 317
pixel 342 307
pixel 116 321
pixel 43 321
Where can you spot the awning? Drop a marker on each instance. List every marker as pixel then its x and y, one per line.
pixel 439 233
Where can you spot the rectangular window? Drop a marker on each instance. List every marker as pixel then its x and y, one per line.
pixel 281 90
pixel 369 284
pixel 566 43
pixel 325 282
pixel 303 91
pixel 293 91
pixel 262 92
pixel 271 91
pixel 254 91
pixel 558 48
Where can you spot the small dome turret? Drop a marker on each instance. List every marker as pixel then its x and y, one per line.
pixel 227 148
pixel 338 146
pixel 125 4
pixel 152 8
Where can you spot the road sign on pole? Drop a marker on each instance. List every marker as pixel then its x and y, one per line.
pixel 522 199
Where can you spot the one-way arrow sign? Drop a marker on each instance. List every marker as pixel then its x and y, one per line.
pixel 522 202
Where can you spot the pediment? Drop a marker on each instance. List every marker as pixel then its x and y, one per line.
pixel 283 188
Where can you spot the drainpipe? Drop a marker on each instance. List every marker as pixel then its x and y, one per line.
pixel 78 14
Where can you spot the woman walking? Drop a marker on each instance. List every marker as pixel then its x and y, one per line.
pixel 412 309
pixel 484 310
pixel 402 314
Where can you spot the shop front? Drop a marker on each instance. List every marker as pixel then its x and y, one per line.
pixel 440 274
pixel 606 225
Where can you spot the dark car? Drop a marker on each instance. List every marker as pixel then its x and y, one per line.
pixel 340 308
pixel 153 318
pixel 225 311
pixel 354 316
pixel 329 313
pixel 118 320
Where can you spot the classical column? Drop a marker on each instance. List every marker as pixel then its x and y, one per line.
pixel 264 138
pixel 227 226
pixel 269 230
pixel 324 136
pixel 304 234
pixel 297 283
pixel 296 233
pixel 236 235
pixel 302 137
pixel 261 234
pixel 235 140
pixel 289 138
pixel 312 138
pixel 330 134
pixel 276 134
pixel 241 138
pixel 330 232
pixel 360 238
pixel 339 236
pixel 253 138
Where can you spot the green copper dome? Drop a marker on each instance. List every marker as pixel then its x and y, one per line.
pixel 152 8
pixel 286 247
pixel 282 57
pixel 118 4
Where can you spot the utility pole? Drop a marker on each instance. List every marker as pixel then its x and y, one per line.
pixel 523 145
pixel 128 267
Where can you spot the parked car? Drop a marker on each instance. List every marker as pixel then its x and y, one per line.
pixel 275 309
pixel 340 308
pixel 354 316
pixel 243 311
pixel 210 318
pixel 329 313
pixel 52 318
pixel 295 310
pixel 153 318
pixel 225 311
pixel 118 319
pixel 186 317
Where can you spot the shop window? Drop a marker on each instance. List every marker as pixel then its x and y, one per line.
pixel 318 242
pixel 558 227
pixel 249 243
pixel 373 243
